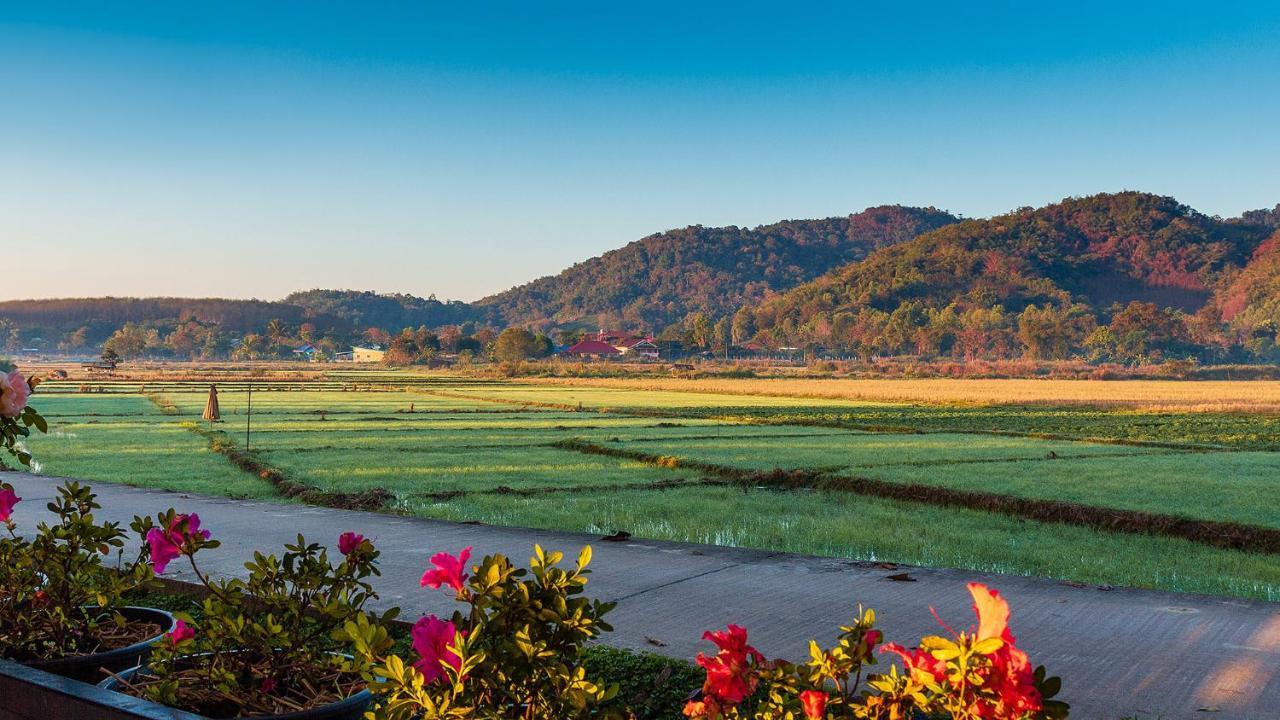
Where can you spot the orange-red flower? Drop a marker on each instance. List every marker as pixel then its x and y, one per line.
pixel 707 708
pixel 921 665
pixel 1010 676
pixel 731 675
pixel 814 703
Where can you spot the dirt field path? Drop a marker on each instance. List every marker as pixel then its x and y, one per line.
pixel 1120 652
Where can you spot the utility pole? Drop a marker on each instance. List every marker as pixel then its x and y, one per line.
pixel 248 418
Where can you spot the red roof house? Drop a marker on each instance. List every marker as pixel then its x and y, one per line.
pixel 593 348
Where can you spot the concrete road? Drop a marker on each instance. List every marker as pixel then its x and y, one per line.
pixel 1119 652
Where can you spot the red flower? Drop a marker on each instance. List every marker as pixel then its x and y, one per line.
pixel 1011 676
pixel 871 639
pixel 348 542
pixel 731 676
pixel 707 708
pixel 179 634
pixel 920 664
pixel 431 640
pixel 267 686
pixel 168 544
pixel 814 703
pixel 8 498
pixel 449 570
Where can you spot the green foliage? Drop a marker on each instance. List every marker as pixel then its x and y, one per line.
pixel 516 344
pixel 264 642
pixel 517 650
pixel 652 686
pixel 57 593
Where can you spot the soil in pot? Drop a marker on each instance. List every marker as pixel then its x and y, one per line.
pixel 116 648
pixel 308 694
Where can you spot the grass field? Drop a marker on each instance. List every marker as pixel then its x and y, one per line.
pixel 670 461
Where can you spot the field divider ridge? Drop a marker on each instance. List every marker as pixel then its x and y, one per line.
pixel 376 498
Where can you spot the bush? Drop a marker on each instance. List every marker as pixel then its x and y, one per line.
pixel 58 595
pixel 265 645
pixel 517 652
pixel 978 674
pixel 650 686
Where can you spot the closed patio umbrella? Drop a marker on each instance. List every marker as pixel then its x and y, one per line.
pixel 211 407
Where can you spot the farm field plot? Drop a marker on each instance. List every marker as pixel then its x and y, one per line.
pixel 1198 396
pixel 843 525
pixel 854 450
pixel 681 465
pixel 1076 410
pixel 128 439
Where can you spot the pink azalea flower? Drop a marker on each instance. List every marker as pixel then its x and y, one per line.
pixel 167 544
pixel 14 391
pixel 431 640
pixel 449 570
pixel 348 542
pixel 8 498
pixel 179 634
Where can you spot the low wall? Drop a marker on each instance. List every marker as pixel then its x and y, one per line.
pixel 30 694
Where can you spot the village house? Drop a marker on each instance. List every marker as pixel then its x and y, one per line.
pixel 605 344
pixel 593 350
pixel 307 352
pixel 367 353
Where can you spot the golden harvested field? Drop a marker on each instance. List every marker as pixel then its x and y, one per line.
pixel 1260 396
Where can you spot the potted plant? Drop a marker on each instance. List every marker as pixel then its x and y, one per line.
pixel 62 606
pixel 515 652
pixel 264 646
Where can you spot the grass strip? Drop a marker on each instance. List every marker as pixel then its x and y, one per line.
pixel 1232 536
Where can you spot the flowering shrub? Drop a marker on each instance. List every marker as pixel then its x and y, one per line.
pixel 978 674
pixel 515 653
pixel 58 595
pixel 264 645
pixel 16 417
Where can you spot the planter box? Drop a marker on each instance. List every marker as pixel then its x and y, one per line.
pixel 30 694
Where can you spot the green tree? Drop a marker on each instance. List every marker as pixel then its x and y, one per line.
pixel 515 344
pixel 1054 333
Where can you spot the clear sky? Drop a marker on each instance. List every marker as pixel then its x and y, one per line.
pixel 250 149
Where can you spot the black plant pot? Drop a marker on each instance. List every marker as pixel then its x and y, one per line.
pixel 89 668
pixel 351 708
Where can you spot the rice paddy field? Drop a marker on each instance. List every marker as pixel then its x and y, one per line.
pixel 1123 483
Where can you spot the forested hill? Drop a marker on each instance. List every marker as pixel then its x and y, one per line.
pixel 50 319
pixel 364 309
pixel 1085 254
pixel 660 280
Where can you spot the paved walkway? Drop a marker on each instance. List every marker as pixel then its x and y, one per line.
pixel 1120 652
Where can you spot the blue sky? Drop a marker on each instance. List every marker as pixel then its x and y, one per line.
pixel 250 149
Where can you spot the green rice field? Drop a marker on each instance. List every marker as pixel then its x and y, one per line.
pixel 683 466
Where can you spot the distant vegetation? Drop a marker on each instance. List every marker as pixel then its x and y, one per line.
pixel 666 278
pixel 1129 278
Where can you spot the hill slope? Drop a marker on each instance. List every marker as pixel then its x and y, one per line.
pixel 661 279
pixel 1096 251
